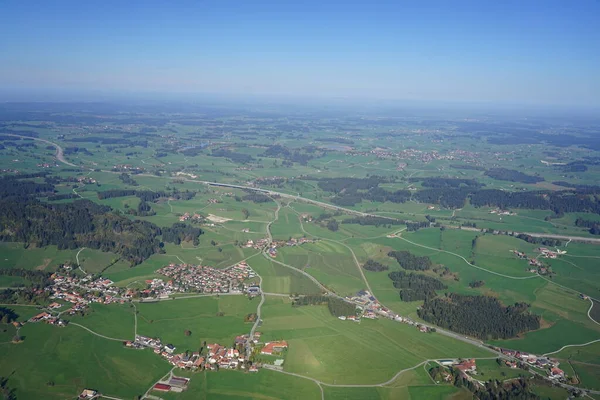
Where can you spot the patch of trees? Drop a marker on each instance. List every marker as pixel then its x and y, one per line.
pixel 493 390
pixel 580 188
pixel 415 287
pixel 78 224
pixel 29 295
pixel 334 140
pixel 370 220
pixel 240 158
pixel 559 202
pixel 446 197
pixel 415 226
pixel 128 180
pixel 180 232
pixel 36 278
pixel 109 140
pixel 372 265
pixel 143 210
pixel 441 182
pixel 146 195
pixel 280 151
pixel 483 317
pixel 476 284
pixel 467 167
pixel 538 240
pixel 7 315
pixel 332 225
pixel 336 185
pixel 75 149
pixel 337 307
pixel 594 226
pixel 64 196
pixel 575 166
pixel 409 261
pixel 257 197
pixel 511 175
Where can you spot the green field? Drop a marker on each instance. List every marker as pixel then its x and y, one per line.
pixel 74 359
pixel 324 347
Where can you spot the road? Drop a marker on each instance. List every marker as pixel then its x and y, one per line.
pixel 59 150
pixel 97 334
pixel 77 258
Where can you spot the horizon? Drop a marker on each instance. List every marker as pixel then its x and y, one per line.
pixel 510 53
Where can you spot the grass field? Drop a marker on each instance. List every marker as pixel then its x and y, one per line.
pixel 264 385
pixel 489 369
pixel 74 359
pixel 170 319
pixel 326 348
pixel 279 279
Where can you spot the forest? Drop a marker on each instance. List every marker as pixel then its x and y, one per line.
pixel 441 182
pixel 409 261
pixel 483 317
pixel 511 175
pixel 414 286
pixel 83 223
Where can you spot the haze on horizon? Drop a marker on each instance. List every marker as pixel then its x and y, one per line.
pixel 541 53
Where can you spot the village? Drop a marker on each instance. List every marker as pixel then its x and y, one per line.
pixel 537 266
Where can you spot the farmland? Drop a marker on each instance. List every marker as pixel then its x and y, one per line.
pixel 169 178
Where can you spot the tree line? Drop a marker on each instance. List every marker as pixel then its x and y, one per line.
pixel 593 226
pixel 483 317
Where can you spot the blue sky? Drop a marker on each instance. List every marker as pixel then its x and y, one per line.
pixel 538 51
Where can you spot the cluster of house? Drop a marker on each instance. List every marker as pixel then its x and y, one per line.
pixel 126 167
pixel 46 165
pixel 538 267
pixel 86 180
pixel 203 279
pixel 214 357
pixel 194 218
pixel 49 319
pixel 371 308
pixel 273 245
pixel 547 253
pixel 538 361
pixel 499 211
pixel 82 291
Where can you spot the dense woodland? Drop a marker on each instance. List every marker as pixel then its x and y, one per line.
pixel 511 175
pixel 409 261
pixel 483 317
pixel 514 389
pixel 415 286
pixel 83 223
pixel 147 195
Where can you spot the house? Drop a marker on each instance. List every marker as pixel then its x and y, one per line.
pixel 88 394
pixel 161 387
pixel 40 317
pixel 274 347
pixel 170 348
pixel 466 365
pixel 556 373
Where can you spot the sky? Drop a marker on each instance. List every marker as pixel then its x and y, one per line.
pixel 521 52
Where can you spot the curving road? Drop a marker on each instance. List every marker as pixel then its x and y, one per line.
pixel 59 150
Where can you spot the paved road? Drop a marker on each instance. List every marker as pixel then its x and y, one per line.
pixel 59 150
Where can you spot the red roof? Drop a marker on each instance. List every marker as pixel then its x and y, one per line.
pixel 162 387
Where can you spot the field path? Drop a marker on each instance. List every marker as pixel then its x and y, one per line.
pixel 77 258
pixel 572 345
pixel 98 334
pixel 465 260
